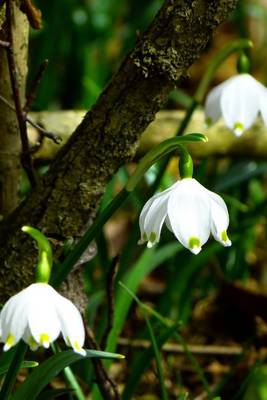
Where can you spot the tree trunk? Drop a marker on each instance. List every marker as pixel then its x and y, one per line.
pixel 10 147
pixel 66 198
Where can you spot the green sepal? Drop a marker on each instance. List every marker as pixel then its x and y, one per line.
pixel 243 64
pixel 185 163
pixel 45 257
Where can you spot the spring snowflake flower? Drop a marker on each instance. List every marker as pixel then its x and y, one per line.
pixel 190 211
pixel 238 100
pixel 37 315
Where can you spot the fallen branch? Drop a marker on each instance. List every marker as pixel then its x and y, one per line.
pixel 221 141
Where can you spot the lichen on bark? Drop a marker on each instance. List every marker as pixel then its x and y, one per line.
pixel 67 197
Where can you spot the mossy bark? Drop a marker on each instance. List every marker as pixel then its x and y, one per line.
pixel 65 200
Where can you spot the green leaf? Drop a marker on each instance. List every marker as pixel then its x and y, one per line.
pixel 239 173
pixel 43 374
pixel 164 393
pixel 54 393
pixel 25 364
pixel 149 260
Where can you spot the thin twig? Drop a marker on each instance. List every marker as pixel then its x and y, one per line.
pixel 32 93
pixel 25 156
pixel 50 135
pixel 110 298
pixel 213 350
pixel 106 386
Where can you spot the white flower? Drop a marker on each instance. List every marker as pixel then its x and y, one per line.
pixel 238 100
pixel 190 211
pixel 37 315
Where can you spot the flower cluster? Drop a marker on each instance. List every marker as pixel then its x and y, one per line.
pixel 238 100
pixel 190 211
pixel 37 315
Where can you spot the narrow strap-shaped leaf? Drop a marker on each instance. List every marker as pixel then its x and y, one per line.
pixel 25 364
pixel 43 374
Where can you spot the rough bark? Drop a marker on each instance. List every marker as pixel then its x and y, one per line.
pixel 66 198
pixel 221 140
pixel 10 147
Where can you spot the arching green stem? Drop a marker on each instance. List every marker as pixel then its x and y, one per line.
pixel 160 151
pixel 45 258
pixel 236 46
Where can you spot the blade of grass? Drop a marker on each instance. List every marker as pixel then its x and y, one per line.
pixel 149 260
pixel 153 342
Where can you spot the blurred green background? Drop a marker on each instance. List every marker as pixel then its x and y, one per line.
pixel 85 42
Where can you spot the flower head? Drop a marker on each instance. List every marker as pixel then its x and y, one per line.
pixel 238 100
pixel 37 315
pixel 190 211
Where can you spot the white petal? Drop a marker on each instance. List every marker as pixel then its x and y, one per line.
pixel 71 324
pixel 219 219
pixel 189 214
pixel 28 338
pixel 153 215
pixel 168 223
pixel 14 319
pixel 263 103
pixel 240 102
pixel 213 104
pixel 43 321
pixel 142 219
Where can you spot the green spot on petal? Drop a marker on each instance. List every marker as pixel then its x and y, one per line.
pixel 238 126
pixel 194 242
pixel 10 340
pixel 224 236
pixel 208 121
pixel 44 339
pixel 152 237
pixel 76 346
pixel 32 343
pixel 144 237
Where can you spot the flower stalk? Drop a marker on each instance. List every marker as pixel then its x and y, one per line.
pixel 45 257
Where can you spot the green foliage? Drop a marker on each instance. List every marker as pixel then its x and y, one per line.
pixel 85 42
pixel 50 368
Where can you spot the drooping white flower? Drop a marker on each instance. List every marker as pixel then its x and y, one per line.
pixel 190 211
pixel 37 315
pixel 238 100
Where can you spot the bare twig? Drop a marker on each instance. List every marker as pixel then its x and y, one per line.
pixel 56 138
pixel 32 93
pixel 106 386
pixel 110 298
pixel 50 135
pixel 213 350
pixel 25 156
